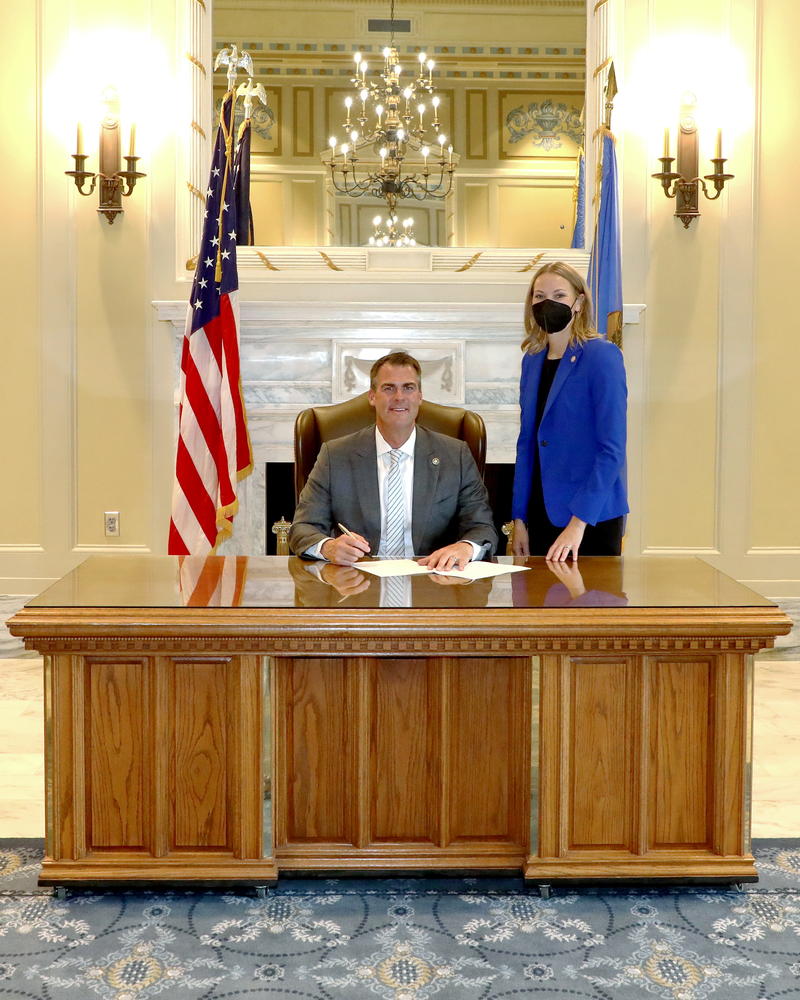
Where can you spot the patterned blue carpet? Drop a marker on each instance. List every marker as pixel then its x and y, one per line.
pixel 403 939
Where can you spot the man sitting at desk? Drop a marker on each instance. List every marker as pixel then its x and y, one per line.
pixel 399 490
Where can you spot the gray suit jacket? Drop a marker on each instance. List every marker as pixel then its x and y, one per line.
pixel 449 503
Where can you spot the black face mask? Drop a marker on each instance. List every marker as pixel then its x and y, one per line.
pixel 551 316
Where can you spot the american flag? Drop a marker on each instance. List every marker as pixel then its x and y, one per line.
pixel 213 444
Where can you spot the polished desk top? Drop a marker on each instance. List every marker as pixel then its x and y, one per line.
pixel 132 581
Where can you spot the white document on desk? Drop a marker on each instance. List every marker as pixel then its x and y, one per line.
pixel 476 570
pixel 391 567
pixel 479 570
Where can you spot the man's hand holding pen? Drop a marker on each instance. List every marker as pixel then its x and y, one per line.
pixel 346 548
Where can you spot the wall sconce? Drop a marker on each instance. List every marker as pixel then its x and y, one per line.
pixel 114 183
pixel 685 184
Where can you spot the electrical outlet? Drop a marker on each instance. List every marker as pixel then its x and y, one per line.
pixel 111 521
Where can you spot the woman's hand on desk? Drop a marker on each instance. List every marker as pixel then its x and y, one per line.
pixel 520 545
pixel 345 549
pixel 569 541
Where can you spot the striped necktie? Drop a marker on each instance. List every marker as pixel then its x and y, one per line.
pixel 394 547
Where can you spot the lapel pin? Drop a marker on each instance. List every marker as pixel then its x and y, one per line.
pixel 434 460
pixel 572 360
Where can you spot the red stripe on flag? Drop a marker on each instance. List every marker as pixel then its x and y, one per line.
pixel 208 420
pixel 196 494
pixel 176 545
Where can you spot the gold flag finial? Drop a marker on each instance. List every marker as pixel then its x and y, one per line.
pixel 611 93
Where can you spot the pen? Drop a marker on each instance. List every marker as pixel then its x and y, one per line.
pixel 345 530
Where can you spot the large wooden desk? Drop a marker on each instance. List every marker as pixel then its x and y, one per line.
pixel 230 719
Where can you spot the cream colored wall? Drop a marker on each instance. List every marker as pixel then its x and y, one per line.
pixel 88 372
pixel 20 399
pixel 715 416
pixel 776 431
pixel 82 356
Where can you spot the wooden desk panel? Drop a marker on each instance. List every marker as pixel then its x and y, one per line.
pixel 382 760
pixel 399 738
pixel 643 766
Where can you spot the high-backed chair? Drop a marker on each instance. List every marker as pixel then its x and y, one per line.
pixel 318 424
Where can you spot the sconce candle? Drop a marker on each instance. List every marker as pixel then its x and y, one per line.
pixel 132 144
pixel 666 142
pixel 79 141
pixel 718 153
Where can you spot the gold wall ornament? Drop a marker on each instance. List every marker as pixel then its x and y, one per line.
pixel 196 62
pixel 684 184
pixel 531 263
pixel 191 263
pixel 471 262
pixel 196 192
pixel 329 262
pixel 199 129
pixel 266 261
pixel 599 69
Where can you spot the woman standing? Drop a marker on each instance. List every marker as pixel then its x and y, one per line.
pixel 569 480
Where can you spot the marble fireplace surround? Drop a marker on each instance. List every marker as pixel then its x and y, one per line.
pixel 295 354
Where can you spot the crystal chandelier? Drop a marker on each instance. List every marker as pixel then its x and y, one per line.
pixel 392 235
pixel 390 126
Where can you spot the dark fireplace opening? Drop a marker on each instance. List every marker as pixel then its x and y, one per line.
pixel 499 478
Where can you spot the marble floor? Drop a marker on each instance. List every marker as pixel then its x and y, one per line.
pixel 776 735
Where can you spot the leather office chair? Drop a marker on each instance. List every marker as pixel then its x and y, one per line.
pixel 318 424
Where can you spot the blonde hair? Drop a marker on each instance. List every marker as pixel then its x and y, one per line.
pixel 582 329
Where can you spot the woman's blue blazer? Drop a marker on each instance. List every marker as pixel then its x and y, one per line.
pixel 581 439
